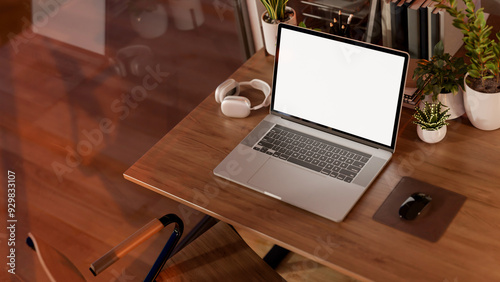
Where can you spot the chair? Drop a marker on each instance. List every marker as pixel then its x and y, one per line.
pixel 219 254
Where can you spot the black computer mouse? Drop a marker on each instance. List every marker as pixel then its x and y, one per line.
pixel 414 205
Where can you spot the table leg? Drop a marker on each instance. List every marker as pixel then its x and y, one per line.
pixel 274 257
pixel 203 225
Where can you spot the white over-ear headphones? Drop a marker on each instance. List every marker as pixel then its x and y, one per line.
pixel 233 105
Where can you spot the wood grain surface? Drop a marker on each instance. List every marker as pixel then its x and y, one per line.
pixel 52 95
pixel 467 161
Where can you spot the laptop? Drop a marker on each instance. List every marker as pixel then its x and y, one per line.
pixel 332 126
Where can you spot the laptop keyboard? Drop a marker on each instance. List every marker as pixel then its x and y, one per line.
pixel 313 153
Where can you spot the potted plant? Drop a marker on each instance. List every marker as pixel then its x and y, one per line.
pixel 431 121
pixel 276 12
pixel 442 79
pixel 482 82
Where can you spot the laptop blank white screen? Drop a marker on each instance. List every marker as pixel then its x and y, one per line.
pixel 346 87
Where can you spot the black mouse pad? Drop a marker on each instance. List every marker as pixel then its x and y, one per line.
pixel 433 222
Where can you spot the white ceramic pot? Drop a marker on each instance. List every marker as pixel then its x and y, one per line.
pixel 455 102
pixel 270 31
pixel 150 23
pixel 431 136
pixel 483 109
pixel 187 14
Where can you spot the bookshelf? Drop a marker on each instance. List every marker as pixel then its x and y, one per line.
pixel 416 26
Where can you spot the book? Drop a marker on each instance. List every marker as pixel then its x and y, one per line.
pixel 414 28
pixel 385 25
pixel 424 30
pixel 410 98
pixel 399 24
pixel 433 28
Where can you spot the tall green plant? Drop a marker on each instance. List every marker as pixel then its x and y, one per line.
pixel 275 9
pixel 484 53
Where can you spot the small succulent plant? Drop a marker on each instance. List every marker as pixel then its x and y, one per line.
pixel 432 116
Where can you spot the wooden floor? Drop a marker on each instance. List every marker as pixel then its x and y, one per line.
pixel 70 126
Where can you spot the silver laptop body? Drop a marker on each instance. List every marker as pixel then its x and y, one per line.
pixel 346 96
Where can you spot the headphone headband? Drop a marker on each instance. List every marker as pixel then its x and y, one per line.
pixel 262 86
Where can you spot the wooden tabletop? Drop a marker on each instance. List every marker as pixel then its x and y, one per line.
pixel 467 161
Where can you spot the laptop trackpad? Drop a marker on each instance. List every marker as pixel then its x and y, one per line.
pixel 284 180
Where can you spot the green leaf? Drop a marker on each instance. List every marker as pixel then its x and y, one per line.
pixel 440 63
pixel 474 73
pixel 470 6
pixel 275 8
pixel 439 48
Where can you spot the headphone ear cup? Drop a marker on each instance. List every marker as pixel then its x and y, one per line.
pixel 227 88
pixel 236 106
pixel 219 94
